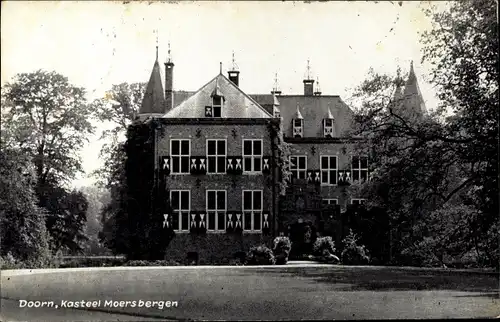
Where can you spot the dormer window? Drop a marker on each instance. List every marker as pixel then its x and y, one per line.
pixel 328 128
pixel 277 114
pixel 216 106
pixel 298 128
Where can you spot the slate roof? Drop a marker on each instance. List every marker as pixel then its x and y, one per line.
pixel 154 96
pixel 237 104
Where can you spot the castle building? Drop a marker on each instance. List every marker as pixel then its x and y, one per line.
pixel 217 160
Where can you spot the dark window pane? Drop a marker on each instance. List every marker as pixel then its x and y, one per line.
pixel 324 176
pixel 211 220
pixel 175 200
pixel 175 147
pixel 302 174
pixel 256 220
pixel 298 123
pixel 175 221
pixel 221 147
pixel 355 175
pixel 221 200
pixel 247 164
pixel 217 111
pixel 217 100
pixel 221 164
pixel 247 200
pixel 211 200
pixel 185 147
pixel 257 147
pixel 184 164
pixel 185 220
pixel 247 147
pixel 211 147
pixel 220 221
pixel 176 164
pixel 184 200
pixel 355 162
pixel 364 175
pixel 364 162
pixel 302 163
pixel 324 202
pixel 294 175
pixel 324 162
pixel 328 122
pixel 247 221
pixel 257 200
pixel 333 163
pixel 211 164
pixel 293 163
pixel 257 162
pixel 333 177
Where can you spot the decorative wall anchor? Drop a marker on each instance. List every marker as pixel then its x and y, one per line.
pixel 233 133
pixel 313 150
pixel 198 182
pixel 234 183
pixel 198 133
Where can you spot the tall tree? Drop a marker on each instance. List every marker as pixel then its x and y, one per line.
pixel 439 173
pixel 48 119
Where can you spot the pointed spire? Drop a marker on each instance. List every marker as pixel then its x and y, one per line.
pixel 413 99
pixel 298 115
pixel 329 115
pixel 154 96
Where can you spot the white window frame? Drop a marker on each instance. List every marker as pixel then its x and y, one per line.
pixel 216 155
pixel 329 201
pixel 217 211
pixel 360 169
pixel 301 127
pixel 179 211
pixel 328 170
pixel 214 105
pixel 252 211
pixel 180 155
pixel 361 201
pixel 252 156
pixel 325 128
pixel 297 171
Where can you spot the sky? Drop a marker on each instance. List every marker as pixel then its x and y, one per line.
pixel 97 44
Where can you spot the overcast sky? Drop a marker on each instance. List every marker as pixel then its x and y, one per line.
pixel 97 44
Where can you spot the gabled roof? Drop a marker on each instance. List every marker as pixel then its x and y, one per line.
pixel 329 115
pixel 154 96
pixel 297 115
pixel 237 104
pixel 313 110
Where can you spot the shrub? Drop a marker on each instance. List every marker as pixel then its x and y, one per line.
pixel 323 245
pixel 260 255
pixel 152 263
pixel 281 250
pixel 354 254
pixel 9 262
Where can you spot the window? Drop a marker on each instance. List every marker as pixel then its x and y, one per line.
pixel 181 205
pixel 216 106
pixel 328 169
pixel 328 128
pixel 327 202
pixel 216 210
pixel 298 166
pixel 252 210
pixel 359 168
pixel 252 155
pixel 277 114
pixel 358 201
pixel 180 151
pixel 298 128
pixel 216 156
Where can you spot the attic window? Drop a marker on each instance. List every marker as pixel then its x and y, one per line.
pixel 298 128
pixel 216 106
pixel 277 114
pixel 328 128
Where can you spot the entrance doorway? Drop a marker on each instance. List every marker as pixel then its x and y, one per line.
pixel 302 235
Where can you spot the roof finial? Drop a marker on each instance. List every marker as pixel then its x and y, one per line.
pixel 169 57
pixel 234 67
pixel 308 70
pixel 156 31
pixel 220 71
pixel 275 88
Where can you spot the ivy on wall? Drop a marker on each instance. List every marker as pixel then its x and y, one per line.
pixel 282 154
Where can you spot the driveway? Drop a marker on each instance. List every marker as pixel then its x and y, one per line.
pixel 249 293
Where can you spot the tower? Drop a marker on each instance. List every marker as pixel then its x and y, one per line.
pixel 234 74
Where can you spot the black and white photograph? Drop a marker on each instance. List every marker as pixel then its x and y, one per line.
pixel 249 160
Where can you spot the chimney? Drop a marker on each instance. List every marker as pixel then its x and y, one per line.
pixel 234 74
pixel 169 81
pixel 308 82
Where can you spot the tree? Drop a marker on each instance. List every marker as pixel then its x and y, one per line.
pixel 437 164
pixel 47 118
pixel 97 198
pixel 22 222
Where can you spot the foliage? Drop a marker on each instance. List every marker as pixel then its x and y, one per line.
pixel 22 224
pixel 281 250
pixel 283 152
pixel 354 254
pixel 260 255
pixel 97 198
pixel 440 167
pixel 152 263
pixel 323 244
pixel 91 262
